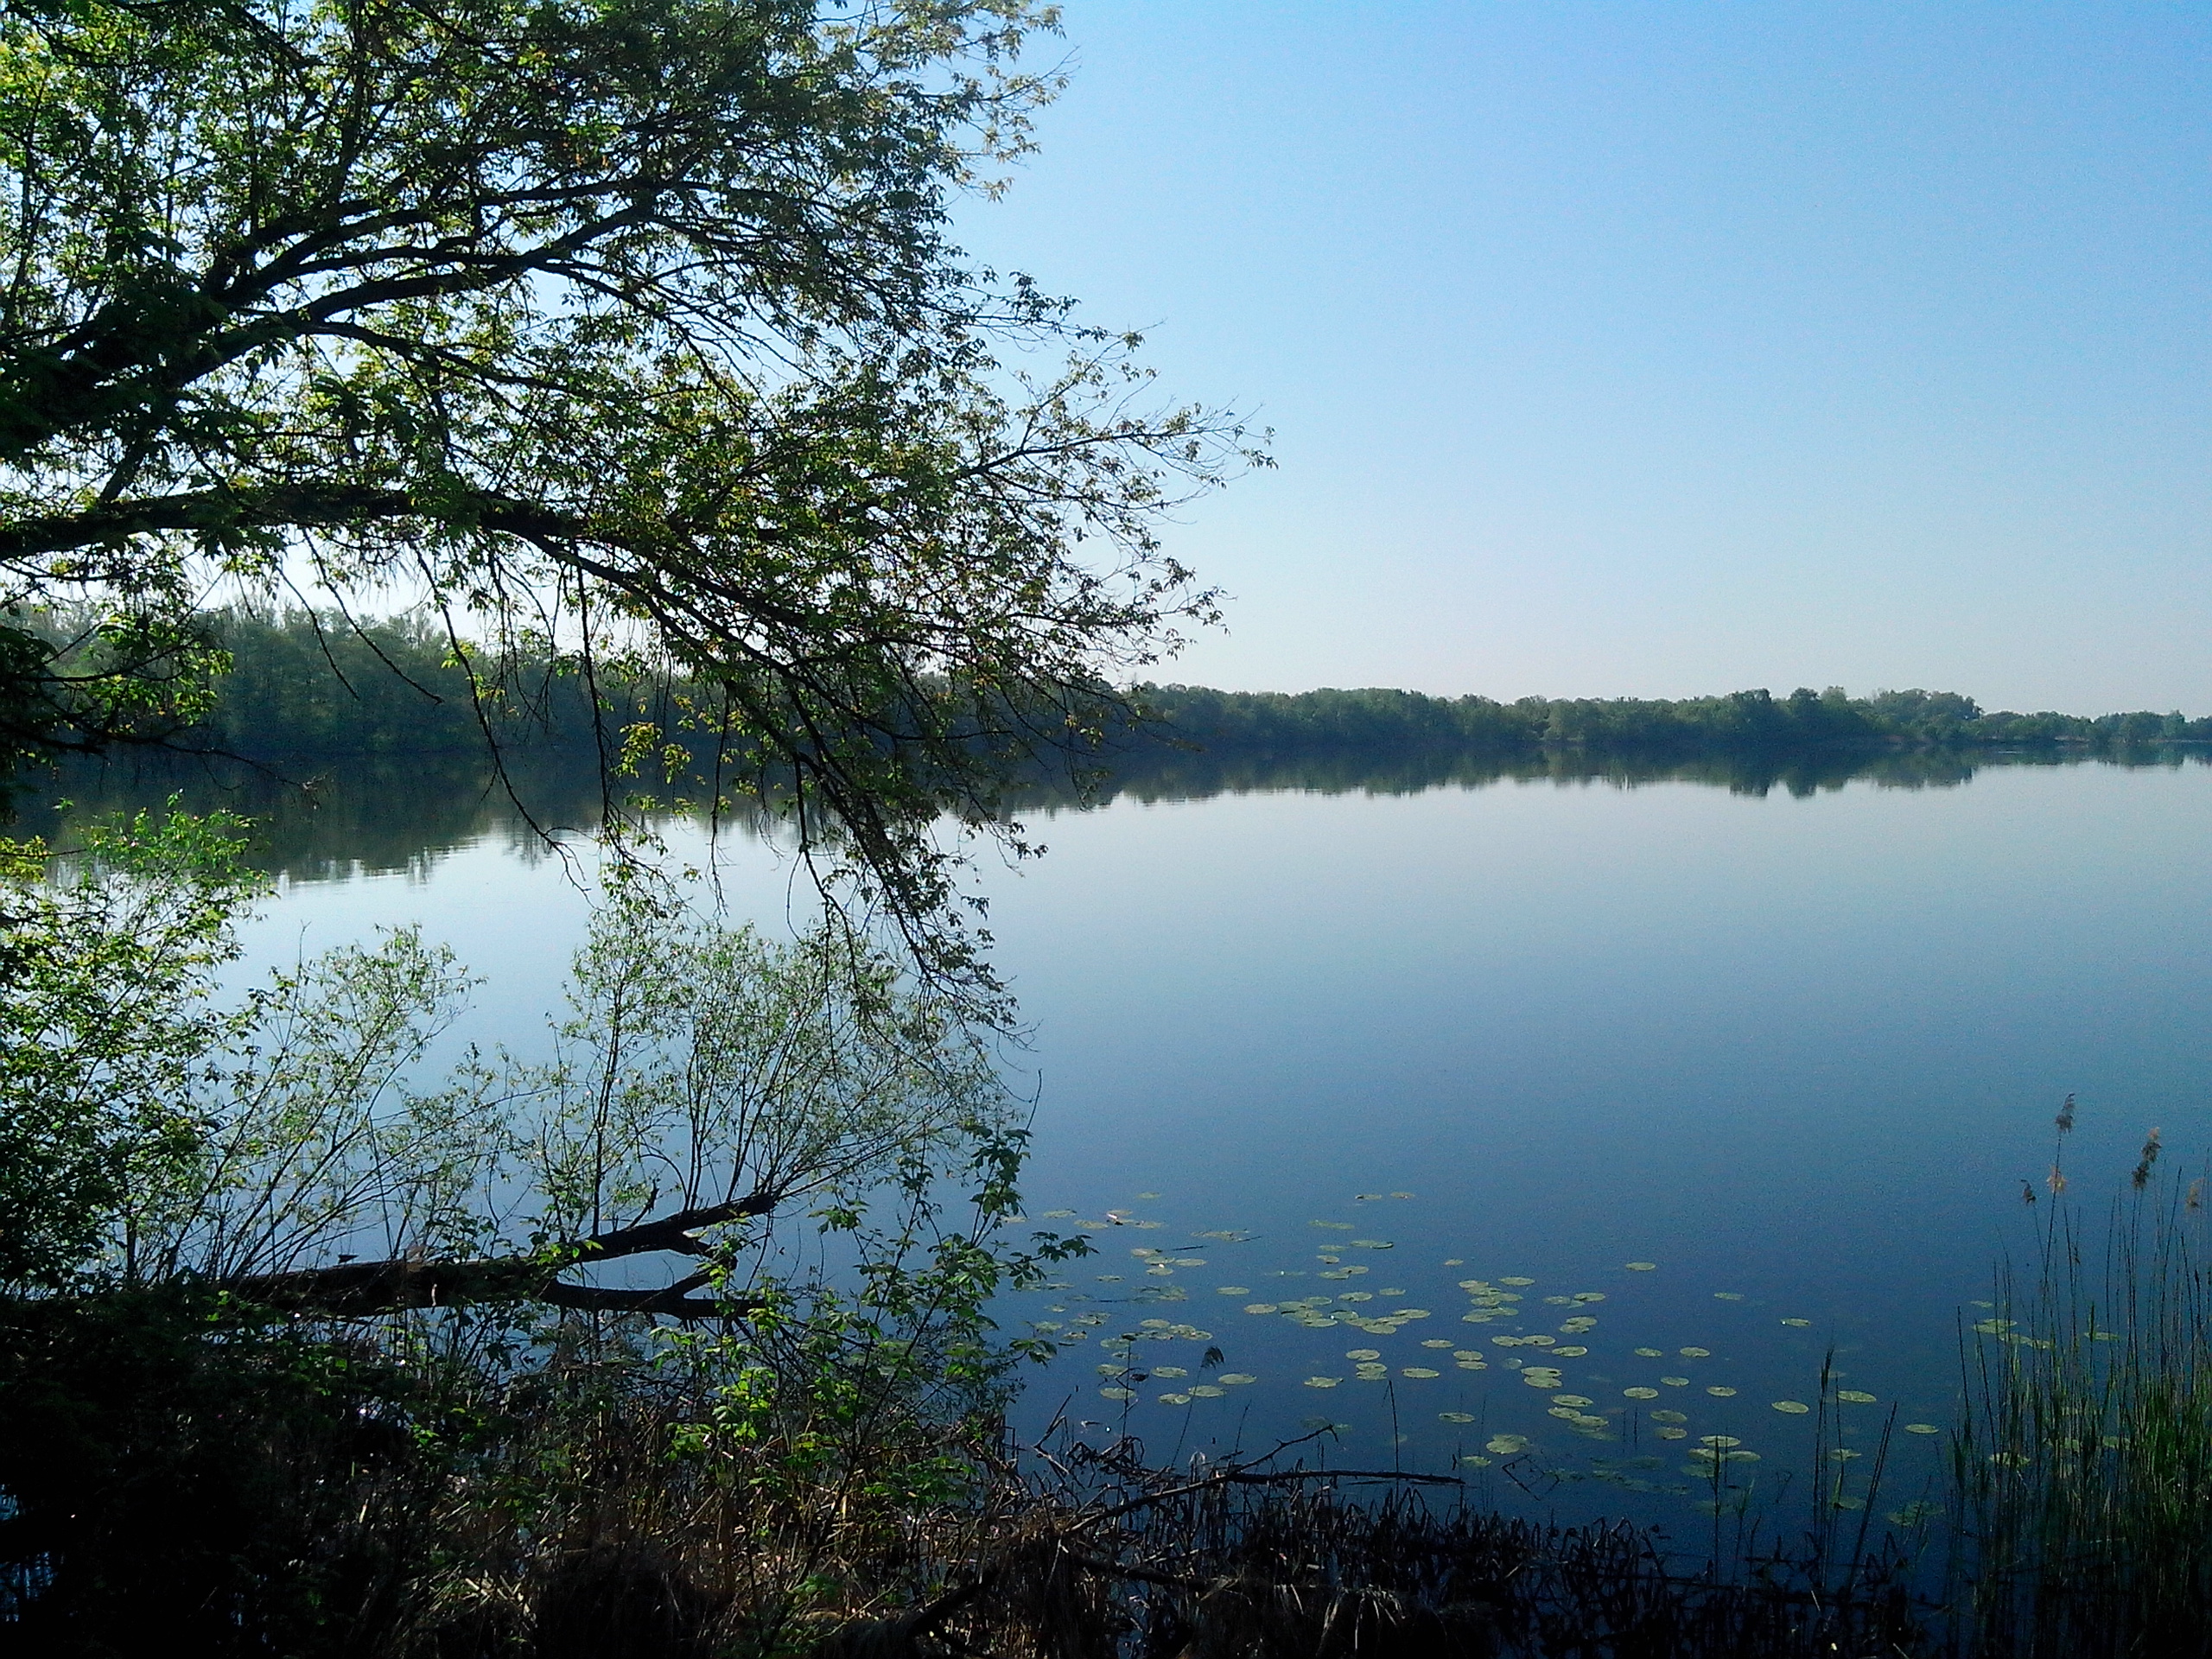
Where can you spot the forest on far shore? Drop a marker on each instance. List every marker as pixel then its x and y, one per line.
pixel 398 690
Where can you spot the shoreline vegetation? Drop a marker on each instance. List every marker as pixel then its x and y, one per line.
pixel 301 685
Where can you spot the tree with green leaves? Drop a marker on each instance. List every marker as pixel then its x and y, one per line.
pixel 314 1344
pixel 106 1031
pixel 291 1146
pixel 630 326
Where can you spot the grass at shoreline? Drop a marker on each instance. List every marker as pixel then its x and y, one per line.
pixel 2083 1465
pixel 421 1501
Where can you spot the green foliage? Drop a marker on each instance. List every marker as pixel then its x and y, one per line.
pixel 153 1135
pixel 314 1138
pixel 632 326
pixel 2084 1467
pixel 106 1030
pixel 1742 723
pixel 700 1064
pixel 428 1474
pixel 94 677
pixel 300 683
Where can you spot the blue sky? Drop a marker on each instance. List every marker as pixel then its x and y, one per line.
pixel 1653 349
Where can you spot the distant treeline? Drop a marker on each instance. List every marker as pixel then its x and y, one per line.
pixel 1309 722
pixel 307 685
pixel 302 685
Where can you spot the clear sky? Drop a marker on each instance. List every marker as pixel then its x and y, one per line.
pixel 1638 349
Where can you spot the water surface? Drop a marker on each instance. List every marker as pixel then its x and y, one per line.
pixel 1795 1045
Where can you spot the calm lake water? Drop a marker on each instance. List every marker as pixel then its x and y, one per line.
pixel 1798 1052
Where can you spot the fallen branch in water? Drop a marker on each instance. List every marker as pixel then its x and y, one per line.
pixel 363 1289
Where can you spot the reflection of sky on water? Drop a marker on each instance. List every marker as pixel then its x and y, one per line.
pixel 1800 1050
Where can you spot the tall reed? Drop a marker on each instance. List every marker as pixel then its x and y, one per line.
pixel 2083 1463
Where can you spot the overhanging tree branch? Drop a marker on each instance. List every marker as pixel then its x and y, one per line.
pixel 645 310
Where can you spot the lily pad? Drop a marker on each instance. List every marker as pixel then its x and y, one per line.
pixel 1641 1394
pixel 1323 1381
pixel 1641 1267
pixel 1695 1353
pixel 1921 1428
pixel 1457 1416
pixel 1854 1397
pixel 1720 1392
pixel 1792 1407
pixel 1419 1371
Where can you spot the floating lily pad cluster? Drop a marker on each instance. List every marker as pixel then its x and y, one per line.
pixel 1592 1406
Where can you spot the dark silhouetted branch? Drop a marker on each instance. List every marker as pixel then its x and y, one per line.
pixel 362 1289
